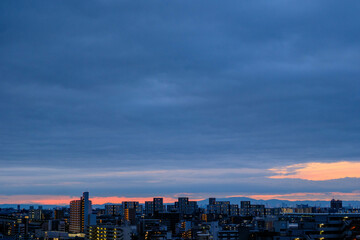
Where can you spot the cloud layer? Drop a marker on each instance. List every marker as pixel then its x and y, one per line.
pixel 133 98
pixel 319 171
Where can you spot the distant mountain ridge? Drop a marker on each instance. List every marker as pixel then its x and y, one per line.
pixel 233 200
pixel 281 203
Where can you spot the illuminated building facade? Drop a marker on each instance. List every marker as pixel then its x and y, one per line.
pixel 245 208
pixel 105 232
pixel 220 207
pixel 80 211
pixel 36 214
pixel 234 209
pixel 130 215
pixel 135 205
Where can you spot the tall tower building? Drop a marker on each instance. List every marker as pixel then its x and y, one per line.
pixel 80 211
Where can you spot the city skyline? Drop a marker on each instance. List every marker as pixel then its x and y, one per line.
pixel 137 99
pixel 158 203
pixel 215 219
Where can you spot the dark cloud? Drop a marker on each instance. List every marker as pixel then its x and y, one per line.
pixel 175 84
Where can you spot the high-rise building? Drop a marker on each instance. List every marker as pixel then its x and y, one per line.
pixel 245 208
pixel 130 215
pixel 245 204
pixel 219 207
pixel 80 214
pixel 257 210
pixel 149 208
pixel 158 205
pixel 212 201
pixel 234 210
pixel 336 204
pixel 113 209
pixel 130 210
pixel 134 205
pixel 36 214
pixel 183 202
pixel 191 207
pixel 184 206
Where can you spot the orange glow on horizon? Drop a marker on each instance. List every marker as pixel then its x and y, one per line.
pixel 65 200
pixel 317 171
pixel 103 200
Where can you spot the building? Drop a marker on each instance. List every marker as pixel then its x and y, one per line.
pixel 303 208
pixel 245 208
pixel 212 201
pixel 234 210
pixel 153 229
pixel 59 214
pixel 184 229
pixel 171 208
pixel 134 205
pixel 105 232
pixel 80 214
pixel 158 205
pixel 257 210
pixel 149 208
pixel 316 226
pixel 182 204
pixel 130 215
pixel 336 204
pixel 192 207
pixel 113 209
pixel 220 207
pixel 36 214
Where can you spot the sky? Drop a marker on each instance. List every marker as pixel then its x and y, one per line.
pixel 135 99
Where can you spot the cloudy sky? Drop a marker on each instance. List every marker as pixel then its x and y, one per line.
pixel 133 99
